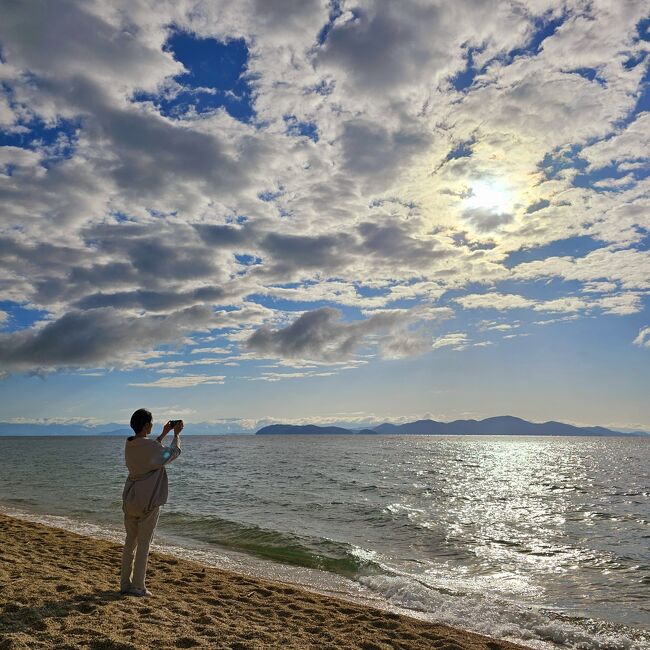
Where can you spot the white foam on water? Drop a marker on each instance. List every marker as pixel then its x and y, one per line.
pixel 536 628
pixel 399 508
pixel 461 579
pixel 364 554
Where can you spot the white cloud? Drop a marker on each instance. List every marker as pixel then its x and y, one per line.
pixel 455 340
pixel 619 304
pixel 599 287
pixel 643 338
pixel 125 231
pixel 499 327
pixel 18 157
pixel 217 350
pixel 565 304
pixel 552 321
pixel 622 304
pixel 279 376
pixel 54 420
pixel 630 144
pixel 630 268
pixel 494 300
pixel 185 381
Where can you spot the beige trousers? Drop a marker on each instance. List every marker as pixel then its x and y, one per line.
pixel 139 533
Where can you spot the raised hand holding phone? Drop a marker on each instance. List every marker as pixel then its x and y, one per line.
pixel 177 425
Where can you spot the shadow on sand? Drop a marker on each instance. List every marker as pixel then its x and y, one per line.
pixel 24 619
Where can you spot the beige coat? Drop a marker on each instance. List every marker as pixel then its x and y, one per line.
pixel 146 486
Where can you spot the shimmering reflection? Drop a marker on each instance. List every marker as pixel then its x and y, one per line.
pixel 559 523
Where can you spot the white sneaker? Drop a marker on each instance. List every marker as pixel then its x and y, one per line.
pixel 139 592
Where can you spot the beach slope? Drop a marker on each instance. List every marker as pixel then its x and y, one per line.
pixel 59 590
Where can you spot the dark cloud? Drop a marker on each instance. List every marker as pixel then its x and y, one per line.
pixel 96 337
pixel 151 266
pixel 485 220
pixel 171 253
pixel 146 154
pixel 382 46
pixel 381 244
pixel 288 16
pixel 226 236
pixel 374 152
pixel 321 334
pixel 67 37
pixel 394 241
pixel 153 301
pixel 44 267
pixel 407 344
pixel 100 275
pixel 323 252
pixel 154 154
pixel 166 260
pixel 30 257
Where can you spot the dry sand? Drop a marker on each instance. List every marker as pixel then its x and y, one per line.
pixel 59 590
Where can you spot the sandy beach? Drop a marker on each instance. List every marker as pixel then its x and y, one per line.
pixel 59 590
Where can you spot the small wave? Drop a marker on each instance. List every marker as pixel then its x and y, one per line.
pixel 417 517
pixel 537 628
pixel 87 528
pixel 21 501
pixel 301 550
pixel 400 507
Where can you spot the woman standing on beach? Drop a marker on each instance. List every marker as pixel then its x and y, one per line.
pixel 145 490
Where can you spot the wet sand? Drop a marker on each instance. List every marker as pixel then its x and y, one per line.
pixel 60 590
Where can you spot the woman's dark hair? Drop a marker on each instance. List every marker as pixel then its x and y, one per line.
pixel 140 418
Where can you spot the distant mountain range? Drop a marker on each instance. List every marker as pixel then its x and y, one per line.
pixel 309 430
pixel 501 425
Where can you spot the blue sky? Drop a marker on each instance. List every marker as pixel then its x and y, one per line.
pixel 352 213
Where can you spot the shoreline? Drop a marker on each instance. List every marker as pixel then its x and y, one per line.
pixel 59 588
pixel 314 580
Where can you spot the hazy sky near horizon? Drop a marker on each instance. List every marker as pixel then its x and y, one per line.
pixel 268 210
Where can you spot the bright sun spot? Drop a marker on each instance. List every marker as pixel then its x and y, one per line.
pixel 491 196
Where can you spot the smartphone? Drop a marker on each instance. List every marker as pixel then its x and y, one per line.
pixel 173 423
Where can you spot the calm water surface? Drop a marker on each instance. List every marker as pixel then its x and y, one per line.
pixel 544 540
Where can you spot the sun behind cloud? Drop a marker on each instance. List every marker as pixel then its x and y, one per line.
pixel 492 195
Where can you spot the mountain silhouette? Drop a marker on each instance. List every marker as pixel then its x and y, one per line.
pixel 504 425
pixel 304 429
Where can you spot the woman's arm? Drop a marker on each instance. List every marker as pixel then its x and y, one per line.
pixel 166 429
pixel 174 450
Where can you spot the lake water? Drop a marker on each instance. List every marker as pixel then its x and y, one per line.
pixel 541 540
